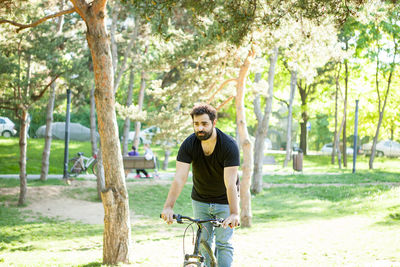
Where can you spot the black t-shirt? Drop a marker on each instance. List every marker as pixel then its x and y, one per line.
pixel 208 171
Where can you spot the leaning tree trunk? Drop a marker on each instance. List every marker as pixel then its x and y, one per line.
pixel 337 141
pixel 346 84
pixel 49 117
pixel 22 160
pixel 245 197
pixel 140 105
pixel 117 230
pixel 48 134
pixel 382 111
pixel 293 82
pixel 127 122
pixel 262 127
pixel 334 147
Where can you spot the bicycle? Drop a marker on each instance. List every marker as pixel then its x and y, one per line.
pixel 80 164
pixel 196 258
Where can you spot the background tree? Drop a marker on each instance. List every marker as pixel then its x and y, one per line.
pixel 381 37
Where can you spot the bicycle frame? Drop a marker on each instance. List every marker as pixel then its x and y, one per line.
pixel 196 258
pixel 81 163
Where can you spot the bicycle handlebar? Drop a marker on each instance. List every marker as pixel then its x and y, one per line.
pixel 179 219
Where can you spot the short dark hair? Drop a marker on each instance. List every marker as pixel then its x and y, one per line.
pixel 201 109
pixel 133 147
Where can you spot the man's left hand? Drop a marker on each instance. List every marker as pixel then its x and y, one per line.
pixel 232 221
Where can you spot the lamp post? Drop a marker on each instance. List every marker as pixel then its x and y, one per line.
pixel 355 148
pixel 66 139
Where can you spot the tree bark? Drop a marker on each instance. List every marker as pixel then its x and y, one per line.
pixel 48 134
pixel 346 84
pixel 49 117
pixel 95 151
pixel 334 147
pixel 127 122
pixel 336 137
pixel 262 127
pixel 293 82
pixel 304 116
pixel 140 104
pixel 117 230
pixel 22 160
pixel 167 153
pixel 245 197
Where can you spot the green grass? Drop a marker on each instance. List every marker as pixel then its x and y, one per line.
pixel 51 242
pixel 284 204
pixel 280 214
pixel 9 155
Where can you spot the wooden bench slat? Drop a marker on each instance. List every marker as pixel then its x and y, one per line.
pixel 138 162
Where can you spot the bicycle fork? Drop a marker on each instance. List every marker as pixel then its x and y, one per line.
pixel 196 252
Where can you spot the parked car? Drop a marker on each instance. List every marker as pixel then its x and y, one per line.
pixel 383 148
pixel 327 149
pixel 7 127
pixel 146 135
pixel 77 131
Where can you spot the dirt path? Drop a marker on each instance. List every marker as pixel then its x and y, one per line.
pixel 53 202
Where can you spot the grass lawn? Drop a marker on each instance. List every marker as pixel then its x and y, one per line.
pixel 312 226
pixel 9 155
pixel 9 160
pixel 343 219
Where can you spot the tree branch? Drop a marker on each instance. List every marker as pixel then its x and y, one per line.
pixel 33 24
pixel 37 97
pixel 225 102
pixel 221 87
pixel 281 100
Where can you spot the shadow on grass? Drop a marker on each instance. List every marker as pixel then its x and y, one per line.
pixel 295 204
pixel 91 264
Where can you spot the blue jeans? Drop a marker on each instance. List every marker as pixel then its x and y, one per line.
pixel 223 244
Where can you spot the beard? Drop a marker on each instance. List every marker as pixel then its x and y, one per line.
pixel 203 135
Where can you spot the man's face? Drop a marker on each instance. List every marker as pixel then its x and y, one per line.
pixel 203 126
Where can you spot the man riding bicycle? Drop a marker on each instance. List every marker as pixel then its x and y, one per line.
pixel 215 159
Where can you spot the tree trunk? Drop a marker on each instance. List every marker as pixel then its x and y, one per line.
pixel 49 117
pixel 140 104
pixel 262 127
pixel 381 111
pixel 167 153
pixel 113 28
pixel 127 122
pixel 48 134
pixel 293 82
pixel 245 197
pixel 334 147
pixel 346 79
pixel 337 144
pixel 95 151
pixel 303 135
pixel 22 159
pixel 304 116
pixel 117 230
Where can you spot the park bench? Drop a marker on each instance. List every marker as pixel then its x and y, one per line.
pixel 139 162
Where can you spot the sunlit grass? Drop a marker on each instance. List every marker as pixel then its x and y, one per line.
pixel 30 240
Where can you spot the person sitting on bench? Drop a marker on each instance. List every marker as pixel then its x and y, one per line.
pixel 134 153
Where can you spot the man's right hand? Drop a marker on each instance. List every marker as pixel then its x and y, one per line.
pixel 167 215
